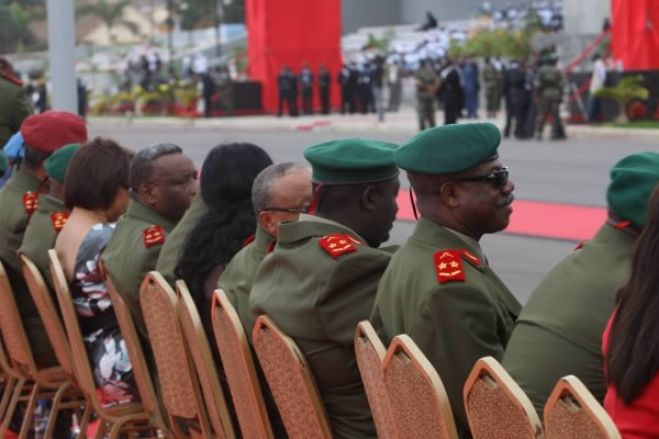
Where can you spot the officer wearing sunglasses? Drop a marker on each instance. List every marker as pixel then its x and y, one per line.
pixel 439 288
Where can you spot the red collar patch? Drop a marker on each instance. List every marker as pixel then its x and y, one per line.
pixel 154 235
pixel 338 244
pixel 30 202
pixel 59 219
pixel 12 79
pixel 448 266
pixel 471 258
pixel 271 247
pixel 249 240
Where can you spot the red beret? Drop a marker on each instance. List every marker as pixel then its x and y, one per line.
pixel 49 131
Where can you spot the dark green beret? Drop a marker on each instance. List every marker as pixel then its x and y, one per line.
pixel 352 161
pixel 3 163
pixel 632 181
pixel 449 148
pixel 58 161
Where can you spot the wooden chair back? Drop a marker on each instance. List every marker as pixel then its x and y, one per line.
pixel 199 346
pixel 496 406
pixel 370 353
pixel 572 412
pixel 418 398
pixel 13 331
pixel 138 361
pixel 49 314
pixel 178 380
pixel 239 368
pixel 291 382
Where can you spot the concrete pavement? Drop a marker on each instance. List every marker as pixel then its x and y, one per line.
pixel 403 122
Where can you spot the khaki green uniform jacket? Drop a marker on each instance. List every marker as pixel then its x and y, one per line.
pixel 14 109
pixel 559 331
pixel 454 323
pixel 238 277
pixel 170 253
pixel 13 222
pixel 318 300
pixel 129 258
pixel 41 234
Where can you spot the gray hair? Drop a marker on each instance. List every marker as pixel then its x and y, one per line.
pixel 262 186
pixel 141 166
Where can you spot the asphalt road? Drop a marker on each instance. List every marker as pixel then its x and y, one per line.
pixel 574 171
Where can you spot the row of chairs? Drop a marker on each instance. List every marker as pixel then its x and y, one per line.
pixel 405 393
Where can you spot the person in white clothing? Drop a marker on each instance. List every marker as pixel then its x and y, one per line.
pixel 597 81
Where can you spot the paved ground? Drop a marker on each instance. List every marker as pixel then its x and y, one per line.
pixel 574 171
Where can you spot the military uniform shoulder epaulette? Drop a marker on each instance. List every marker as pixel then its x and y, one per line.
pixel 59 219
pixel 30 201
pixel 12 79
pixel 448 264
pixel 338 244
pixel 153 235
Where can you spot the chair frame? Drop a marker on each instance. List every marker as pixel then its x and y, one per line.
pixel 490 367
pixel 123 418
pixel 202 357
pixel 383 415
pixel 33 383
pixel 222 309
pixel 145 385
pixel 154 280
pixel 403 345
pixel 571 387
pixel 265 324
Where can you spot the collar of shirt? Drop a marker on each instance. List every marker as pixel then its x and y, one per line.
pixel 140 211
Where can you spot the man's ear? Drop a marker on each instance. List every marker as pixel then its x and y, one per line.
pixel 266 221
pixel 147 193
pixel 450 194
pixel 367 198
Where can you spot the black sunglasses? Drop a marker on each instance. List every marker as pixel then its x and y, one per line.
pixel 291 210
pixel 498 179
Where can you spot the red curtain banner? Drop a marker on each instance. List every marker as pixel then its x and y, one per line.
pixel 635 33
pixel 293 32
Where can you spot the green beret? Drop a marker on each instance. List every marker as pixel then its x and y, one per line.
pixel 632 181
pixel 4 164
pixel 449 148
pixel 58 161
pixel 352 161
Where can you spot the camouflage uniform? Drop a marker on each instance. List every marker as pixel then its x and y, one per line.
pixel 548 86
pixel 426 82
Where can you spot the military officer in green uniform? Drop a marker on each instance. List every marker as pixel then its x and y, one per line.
pixel 321 278
pixel 163 183
pixel 426 86
pixel 170 253
pixel 14 107
pixel 280 193
pixel 559 331
pixel 43 134
pixel 51 214
pixel 439 288
pixel 493 79
pixel 548 92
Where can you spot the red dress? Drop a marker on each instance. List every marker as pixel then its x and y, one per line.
pixel 640 419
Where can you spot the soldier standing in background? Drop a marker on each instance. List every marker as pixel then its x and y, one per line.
pixel 492 79
pixel 394 81
pixel 548 93
pixel 14 107
pixel 426 86
pixel 306 83
pixel 324 84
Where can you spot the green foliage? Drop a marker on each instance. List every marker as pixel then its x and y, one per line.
pixel 628 89
pixel 234 12
pixel 110 13
pixel 380 44
pixel 493 42
pixel 241 59
pixel 15 33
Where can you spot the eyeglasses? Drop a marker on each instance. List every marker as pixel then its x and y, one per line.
pixel 291 210
pixel 498 179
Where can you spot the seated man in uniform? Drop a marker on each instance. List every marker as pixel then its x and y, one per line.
pixel 51 214
pixel 559 331
pixel 43 134
pixel 439 288
pixel 321 278
pixel 163 182
pixel 279 194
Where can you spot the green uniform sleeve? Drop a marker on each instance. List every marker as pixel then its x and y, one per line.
pixel 21 111
pixel 457 327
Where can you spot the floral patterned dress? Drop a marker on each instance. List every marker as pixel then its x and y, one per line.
pixel 105 344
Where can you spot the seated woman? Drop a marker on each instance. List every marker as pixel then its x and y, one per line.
pixel 96 193
pixel 226 187
pixel 631 340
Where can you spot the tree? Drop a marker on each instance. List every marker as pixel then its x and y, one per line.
pixel 629 88
pixel 110 13
pixel 15 33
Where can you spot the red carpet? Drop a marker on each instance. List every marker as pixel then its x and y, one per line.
pixel 541 219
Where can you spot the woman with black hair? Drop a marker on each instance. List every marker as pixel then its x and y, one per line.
pixel 631 340
pixel 226 187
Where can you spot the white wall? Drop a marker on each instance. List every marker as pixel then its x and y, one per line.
pixel 585 16
pixel 364 13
